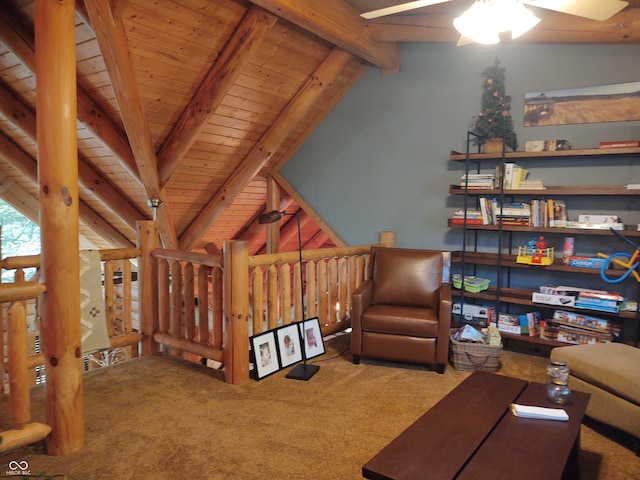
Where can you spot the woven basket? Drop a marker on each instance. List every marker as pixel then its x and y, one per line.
pixel 474 356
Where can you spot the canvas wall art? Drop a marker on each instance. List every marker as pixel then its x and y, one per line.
pixel 606 103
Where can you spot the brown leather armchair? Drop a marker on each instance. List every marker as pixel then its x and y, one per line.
pixel 402 312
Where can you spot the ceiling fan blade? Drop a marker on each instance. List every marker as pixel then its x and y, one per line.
pixel 403 7
pixel 593 9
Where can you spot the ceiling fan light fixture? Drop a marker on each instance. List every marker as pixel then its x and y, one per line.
pixel 478 23
pixel 486 19
pixel 522 20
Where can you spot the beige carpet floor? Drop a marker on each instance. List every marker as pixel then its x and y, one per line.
pixel 160 418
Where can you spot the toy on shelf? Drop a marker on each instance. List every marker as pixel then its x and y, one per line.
pixel 536 252
pixel 629 262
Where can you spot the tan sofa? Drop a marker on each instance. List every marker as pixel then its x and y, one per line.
pixel 402 312
pixel 610 372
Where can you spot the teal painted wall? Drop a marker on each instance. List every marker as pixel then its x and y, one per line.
pixel 379 161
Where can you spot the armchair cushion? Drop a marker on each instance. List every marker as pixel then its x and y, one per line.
pixel 406 278
pixel 399 320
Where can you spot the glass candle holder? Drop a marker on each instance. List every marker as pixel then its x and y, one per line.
pixel 558 392
pixel 558 370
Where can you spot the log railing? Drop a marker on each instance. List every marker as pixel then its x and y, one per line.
pixel 120 304
pixel 190 303
pixel 23 431
pixel 261 292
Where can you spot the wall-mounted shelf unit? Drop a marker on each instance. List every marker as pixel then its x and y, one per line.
pixel 469 259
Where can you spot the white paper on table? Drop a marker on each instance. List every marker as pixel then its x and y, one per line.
pixel 527 411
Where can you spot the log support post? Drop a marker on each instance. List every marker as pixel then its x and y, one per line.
pixel 236 311
pixel 18 369
pixel 148 240
pixel 388 239
pixel 55 52
pixel 273 203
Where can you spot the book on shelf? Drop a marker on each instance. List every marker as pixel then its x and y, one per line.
pixel 532 185
pixel 471 217
pixel 539 216
pixel 469 221
pixel 557 212
pixel 477 181
pixel 519 175
pixel 514 174
pixel 513 221
pixel 485 209
pixel 620 144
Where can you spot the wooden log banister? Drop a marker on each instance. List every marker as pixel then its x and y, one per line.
pixel 23 432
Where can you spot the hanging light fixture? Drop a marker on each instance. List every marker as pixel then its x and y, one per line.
pixel 486 19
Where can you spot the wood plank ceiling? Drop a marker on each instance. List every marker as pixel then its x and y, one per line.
pixel 201 102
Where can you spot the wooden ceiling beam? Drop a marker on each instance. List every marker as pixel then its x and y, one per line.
pixel 91 182
pixel 289 232
pixel 554 27
pixel 317 241
pixel 21 43
pixel 28 167
pixel 322 225
pixel 113 43
pixel 338 23
pixel 318 83
pixel 19 198
pixel 221 77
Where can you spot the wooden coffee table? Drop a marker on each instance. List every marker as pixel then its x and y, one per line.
pixel 471 434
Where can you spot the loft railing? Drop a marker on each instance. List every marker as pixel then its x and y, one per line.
pixel 19 303
pixel 188 304
pixel 23 431
pixel 200 296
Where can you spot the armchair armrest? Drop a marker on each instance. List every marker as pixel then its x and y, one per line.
pixel 361 299
pixel 444 323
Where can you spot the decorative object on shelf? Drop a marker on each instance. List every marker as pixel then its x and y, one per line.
pixel 494 119
pixel 536 253
pixel 622 259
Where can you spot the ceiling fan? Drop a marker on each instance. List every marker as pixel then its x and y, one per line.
pixel 486 18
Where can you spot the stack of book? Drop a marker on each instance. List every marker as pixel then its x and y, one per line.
pixel 518 214
pixel 599 300
pixel 478 181
pixel 473 217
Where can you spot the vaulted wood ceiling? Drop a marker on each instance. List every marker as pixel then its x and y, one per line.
pixel 229 89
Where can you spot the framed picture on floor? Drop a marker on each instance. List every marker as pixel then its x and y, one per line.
pixel 310 332
pixel 289 345
pixel 265 354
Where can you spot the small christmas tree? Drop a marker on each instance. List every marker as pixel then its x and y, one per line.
pixel 494 120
